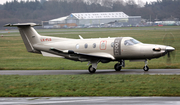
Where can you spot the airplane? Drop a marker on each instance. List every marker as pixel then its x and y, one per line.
pixel 93 50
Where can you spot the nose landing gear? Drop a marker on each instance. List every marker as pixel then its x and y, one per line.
pixel 146 68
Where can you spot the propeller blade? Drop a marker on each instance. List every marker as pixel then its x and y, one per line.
pixel 173 54
pixel 168 40
pixel 169 51
pixel 168 61
pixel 169 55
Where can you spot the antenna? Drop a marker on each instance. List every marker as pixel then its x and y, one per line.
pixel 81 37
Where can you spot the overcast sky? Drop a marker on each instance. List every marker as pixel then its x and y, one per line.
pixel 4 1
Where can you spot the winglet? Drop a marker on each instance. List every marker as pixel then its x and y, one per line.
pixel 81 37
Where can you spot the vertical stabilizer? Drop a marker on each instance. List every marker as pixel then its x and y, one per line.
pixel 28 34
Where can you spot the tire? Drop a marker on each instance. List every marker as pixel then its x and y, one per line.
pixel 117 67
pixel 91 69
pixel 146 68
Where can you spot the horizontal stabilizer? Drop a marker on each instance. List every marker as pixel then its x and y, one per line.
pixel 21 24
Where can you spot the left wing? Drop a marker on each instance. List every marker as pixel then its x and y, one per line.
pixel 90 55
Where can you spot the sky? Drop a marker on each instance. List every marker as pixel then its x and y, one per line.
pixel 4 1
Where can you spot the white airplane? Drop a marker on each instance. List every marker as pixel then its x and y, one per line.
pixel 91 50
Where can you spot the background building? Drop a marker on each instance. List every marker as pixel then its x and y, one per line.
pixel 42 1
pixel 97 19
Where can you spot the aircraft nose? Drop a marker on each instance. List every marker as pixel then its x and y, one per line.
pixel 169 48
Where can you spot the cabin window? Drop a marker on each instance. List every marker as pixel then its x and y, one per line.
pixel 112 44
pixel 94 45
pixel 86 45
pixel 77 46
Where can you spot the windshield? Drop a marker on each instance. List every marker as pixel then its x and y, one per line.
pixel 135 41
pixel 131 42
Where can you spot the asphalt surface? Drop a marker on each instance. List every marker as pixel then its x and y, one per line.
pixel 91 101
pixel 76 72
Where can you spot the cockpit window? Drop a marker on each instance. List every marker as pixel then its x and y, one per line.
pixel 135 41
pixel 131 42
pixel 128 42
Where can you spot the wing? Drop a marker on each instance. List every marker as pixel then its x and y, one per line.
pixel 98 55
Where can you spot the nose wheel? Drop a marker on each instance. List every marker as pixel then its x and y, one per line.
pixel 146 68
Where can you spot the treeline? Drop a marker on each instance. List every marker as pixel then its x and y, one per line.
pixel 35 11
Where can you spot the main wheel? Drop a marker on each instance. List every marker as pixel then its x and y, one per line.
pixel 91 69
pixel 117 67
pixel 145 68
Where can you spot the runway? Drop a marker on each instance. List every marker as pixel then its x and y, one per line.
pixel 91 101
pixel 77 72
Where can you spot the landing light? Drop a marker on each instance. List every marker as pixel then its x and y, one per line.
pixel 157 49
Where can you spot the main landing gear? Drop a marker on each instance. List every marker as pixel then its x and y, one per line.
pixel 93 67
pixel 118 66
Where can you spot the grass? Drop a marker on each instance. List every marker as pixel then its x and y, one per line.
pixel 14 56
pixel 89 85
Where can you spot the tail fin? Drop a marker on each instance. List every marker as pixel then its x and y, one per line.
pixel 28 34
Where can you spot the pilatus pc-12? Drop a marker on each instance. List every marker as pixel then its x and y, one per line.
pixel 91 50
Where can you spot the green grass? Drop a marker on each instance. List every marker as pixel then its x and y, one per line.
pixel 13 54
pixel 89 85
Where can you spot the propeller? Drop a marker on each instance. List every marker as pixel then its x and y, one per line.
pixel 168 40
pixel 170 53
